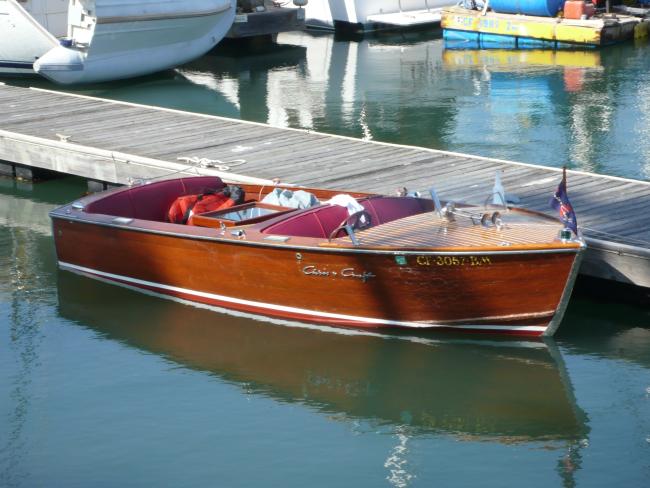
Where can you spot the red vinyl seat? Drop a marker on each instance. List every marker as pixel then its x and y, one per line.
pixel 387 209
pixel 314 222
pixel 152 201
pixel 320 222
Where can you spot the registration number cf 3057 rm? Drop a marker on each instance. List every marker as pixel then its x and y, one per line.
pixel 453 260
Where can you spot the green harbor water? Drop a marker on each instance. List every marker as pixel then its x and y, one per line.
pixel 103 386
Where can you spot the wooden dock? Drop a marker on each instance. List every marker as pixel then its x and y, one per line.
pixel 117 142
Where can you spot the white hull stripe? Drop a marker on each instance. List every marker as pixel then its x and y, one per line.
pixel 293 310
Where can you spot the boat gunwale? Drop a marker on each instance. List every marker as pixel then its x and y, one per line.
pixel 76 211
pixel 573 247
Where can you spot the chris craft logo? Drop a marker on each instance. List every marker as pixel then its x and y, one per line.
pixel 364 276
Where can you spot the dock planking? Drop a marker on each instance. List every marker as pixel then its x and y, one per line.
pixel 117 142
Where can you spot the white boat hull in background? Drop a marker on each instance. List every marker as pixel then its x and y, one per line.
pixel 22 39
pixel 368 15
pixel 116 39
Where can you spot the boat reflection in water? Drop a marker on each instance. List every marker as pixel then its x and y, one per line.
pixel 527 87
pixel 574 63
pixel 505 391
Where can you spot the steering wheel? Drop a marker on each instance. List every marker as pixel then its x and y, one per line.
pixel 357 221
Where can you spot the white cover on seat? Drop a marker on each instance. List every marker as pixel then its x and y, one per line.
pixel 291 199
pixel 347 201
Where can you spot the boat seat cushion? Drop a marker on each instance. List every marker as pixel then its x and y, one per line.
pixel 387 209
pixel 315 222
pixel 320 222
pixel 152 201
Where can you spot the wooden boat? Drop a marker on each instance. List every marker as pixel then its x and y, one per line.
pixel 402 262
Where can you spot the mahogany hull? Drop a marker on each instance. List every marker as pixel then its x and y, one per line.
pixel 510 292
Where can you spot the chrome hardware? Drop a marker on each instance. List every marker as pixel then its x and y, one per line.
pixel 122 220
pixel 78 206
pixel 350 231
pixel 136 181
pixel 496 220
pixel 436 201
pixel 276 238
pixel 448 211
pixel 238 233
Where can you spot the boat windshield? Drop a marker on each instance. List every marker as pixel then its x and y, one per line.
pixel 247 213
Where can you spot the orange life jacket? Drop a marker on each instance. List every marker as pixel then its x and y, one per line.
pixel 183 208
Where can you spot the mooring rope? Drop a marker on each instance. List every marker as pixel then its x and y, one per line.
pixel 194 167
pixel 611 235
pixel 212 163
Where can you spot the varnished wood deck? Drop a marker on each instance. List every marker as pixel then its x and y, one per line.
pixel 428 230
pixel 116 141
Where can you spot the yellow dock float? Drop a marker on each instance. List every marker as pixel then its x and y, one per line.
pixel 491 29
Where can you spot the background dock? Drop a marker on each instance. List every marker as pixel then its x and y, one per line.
pixel 116 142
pixel 492 29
